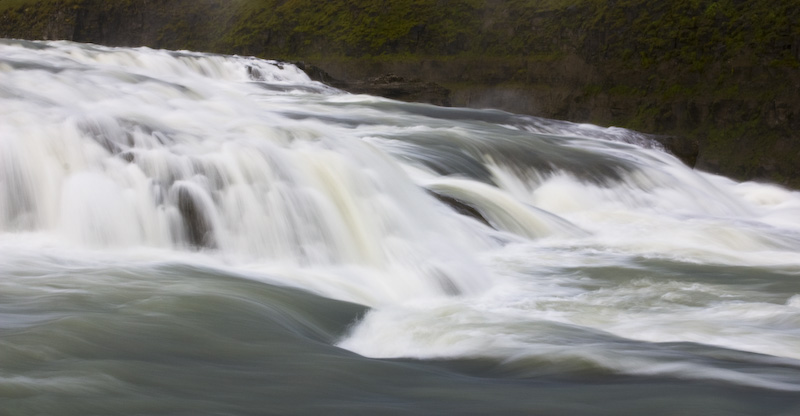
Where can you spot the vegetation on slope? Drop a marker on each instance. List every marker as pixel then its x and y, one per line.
pixel 726 72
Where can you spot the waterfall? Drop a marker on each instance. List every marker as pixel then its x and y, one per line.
pixel 466 233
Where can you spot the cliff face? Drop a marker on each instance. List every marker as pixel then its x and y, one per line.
pixel 724 73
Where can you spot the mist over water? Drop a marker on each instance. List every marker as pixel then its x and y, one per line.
pixel 186 233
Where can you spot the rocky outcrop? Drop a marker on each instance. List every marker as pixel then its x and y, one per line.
pixel 394 87
pixel 387 85
pixel 684 148
pixel 399 88
pixel 460 207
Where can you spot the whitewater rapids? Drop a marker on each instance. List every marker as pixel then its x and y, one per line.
pixel 129 177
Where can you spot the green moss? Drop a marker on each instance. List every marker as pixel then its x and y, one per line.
pixel 643 119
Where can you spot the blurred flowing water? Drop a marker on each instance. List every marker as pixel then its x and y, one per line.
pixel 193 234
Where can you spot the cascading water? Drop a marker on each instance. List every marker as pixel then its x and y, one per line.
pixel 169 220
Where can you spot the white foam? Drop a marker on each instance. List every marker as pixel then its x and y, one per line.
pixel 117 155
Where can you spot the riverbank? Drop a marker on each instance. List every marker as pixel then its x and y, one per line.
pixel 725 74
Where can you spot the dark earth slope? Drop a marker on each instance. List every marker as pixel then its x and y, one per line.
pixel 723 73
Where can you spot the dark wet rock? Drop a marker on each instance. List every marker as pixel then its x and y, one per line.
pixel 127 156
pixel 460 207
pixel 318 74
pixel 399 88
pixel 683 148
pixel 199 232
pixel 387 86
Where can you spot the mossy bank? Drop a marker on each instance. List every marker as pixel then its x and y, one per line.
pixel 725 73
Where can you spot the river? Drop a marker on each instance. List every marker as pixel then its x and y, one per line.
pixel 194 234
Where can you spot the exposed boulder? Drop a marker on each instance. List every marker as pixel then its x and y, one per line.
pixel 318 74
pixel 387 85
pixel 399 88
pixel 683 148
pixel 460 207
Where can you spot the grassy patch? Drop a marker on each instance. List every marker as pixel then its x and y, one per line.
pixel 16 4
